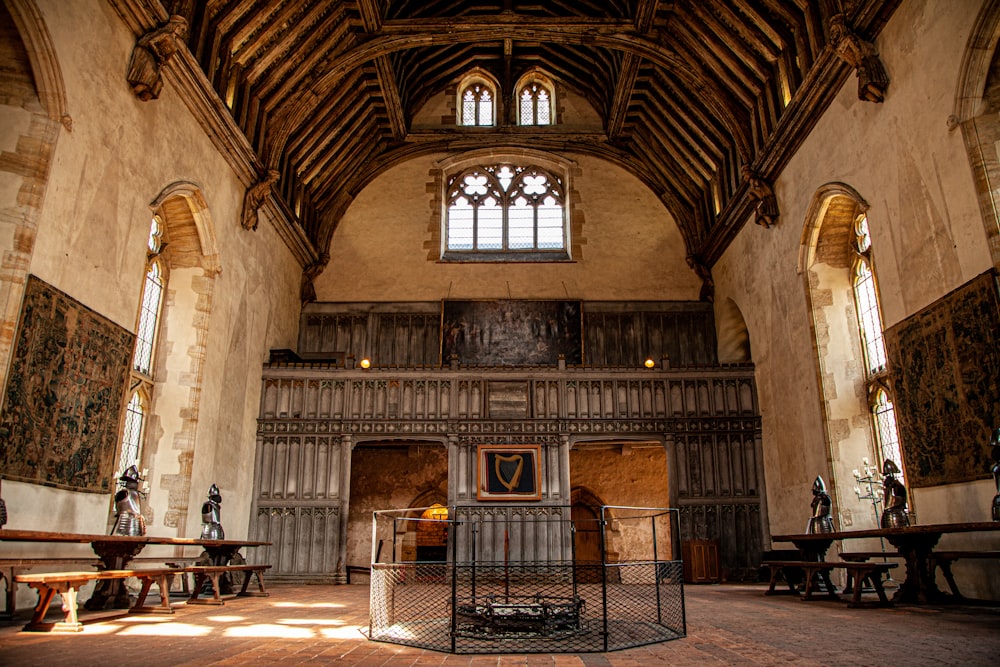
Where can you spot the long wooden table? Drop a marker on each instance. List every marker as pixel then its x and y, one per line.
pixel 117 551
pixel 914 543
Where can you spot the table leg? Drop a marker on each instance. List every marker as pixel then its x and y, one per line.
pixel 919 586
pixel 114 556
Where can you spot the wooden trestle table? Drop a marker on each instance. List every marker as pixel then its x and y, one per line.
pixel 914 543
pixel 116 551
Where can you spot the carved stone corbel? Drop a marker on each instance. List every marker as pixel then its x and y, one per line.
pixel 151 53
pixel 766 209
pixel 873 80
pixel 309 274
pixel 707 282
pixel 254 198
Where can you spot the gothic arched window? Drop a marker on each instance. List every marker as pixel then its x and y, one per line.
pixel 147 327
pixel 477 104
pixel 534 104
pixel 505 209
pixel 869 316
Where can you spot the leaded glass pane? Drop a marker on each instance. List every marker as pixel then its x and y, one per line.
pixel 469 107
pixel 869 318
pixel 131 437
pixel 862 235
pixel 550 225
pixel 485 108
pixel 460 225
pixel 885 423
pixel 521 222
pixel 544 115
pixel 149 313
pixel 527 107
pixel 490 226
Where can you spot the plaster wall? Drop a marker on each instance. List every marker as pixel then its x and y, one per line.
pixel 385 478
pixel 625 476
pixel 91 243
pixel 631 246
pixel 928 239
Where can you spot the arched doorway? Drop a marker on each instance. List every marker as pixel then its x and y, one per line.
pixel 587 544
pixel 432 534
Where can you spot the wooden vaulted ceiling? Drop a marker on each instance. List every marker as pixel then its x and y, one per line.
pixel 689 91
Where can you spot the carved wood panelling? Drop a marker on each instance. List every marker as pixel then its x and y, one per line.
pixel 514 534
pixel 737 528
pixel 305 540
pixel 707 418
pixel 409 335
pixel 294 393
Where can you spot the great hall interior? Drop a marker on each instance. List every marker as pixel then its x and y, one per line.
pixel 333 256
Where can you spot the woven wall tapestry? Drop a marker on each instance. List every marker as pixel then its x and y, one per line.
pixel 64 397
pixel 945 369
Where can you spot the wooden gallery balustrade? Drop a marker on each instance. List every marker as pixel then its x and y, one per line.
pixel 312 415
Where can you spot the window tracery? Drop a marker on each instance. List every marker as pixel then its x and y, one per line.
pixel 505 208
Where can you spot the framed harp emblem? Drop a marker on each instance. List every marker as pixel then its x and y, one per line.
pixel 509 472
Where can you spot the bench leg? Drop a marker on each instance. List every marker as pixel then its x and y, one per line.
pixel 775 571
pixel 70 622
pixel 163 582
pixel 260 592
pixel 874 577
pixel 876 581
pixel 199 582
pixel 824 574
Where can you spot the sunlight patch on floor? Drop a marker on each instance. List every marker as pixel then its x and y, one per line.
pixel 345 632
pixel 166 630
pixel 312 605
pixel 269 630
pixel 311 621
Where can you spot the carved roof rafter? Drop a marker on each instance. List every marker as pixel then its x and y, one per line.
pixel 690 91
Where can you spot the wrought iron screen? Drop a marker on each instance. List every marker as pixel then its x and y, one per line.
pixel 553 606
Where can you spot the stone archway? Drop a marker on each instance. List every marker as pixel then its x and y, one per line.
pixel 33 92
pixel 588 552
pixel 977 103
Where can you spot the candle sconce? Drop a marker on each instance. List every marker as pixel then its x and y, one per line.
pixel 869 486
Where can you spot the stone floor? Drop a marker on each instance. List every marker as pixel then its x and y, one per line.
pixel 324 625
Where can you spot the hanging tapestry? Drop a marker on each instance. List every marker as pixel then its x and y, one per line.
pixel 945 369
pixel 511 333
pixel 65 393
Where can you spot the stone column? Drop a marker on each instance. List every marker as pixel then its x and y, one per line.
pixel 346 447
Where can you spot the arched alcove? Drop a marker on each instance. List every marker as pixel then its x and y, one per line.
pixel 827 261
pixel 731 333
pixel 34 97
pixel 977 113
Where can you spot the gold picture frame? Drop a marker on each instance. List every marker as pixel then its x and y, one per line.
pixel 509 472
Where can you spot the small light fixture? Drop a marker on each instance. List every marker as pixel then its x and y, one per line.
pixel 649 363
pixel 366 363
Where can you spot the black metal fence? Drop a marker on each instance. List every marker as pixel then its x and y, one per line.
pixel 554 606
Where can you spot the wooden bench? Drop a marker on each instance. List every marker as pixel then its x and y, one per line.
pixel 11 567
pixel 944 559
pixel 215 573
pixel 860 571
pixel 68 584
pixel 862 556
